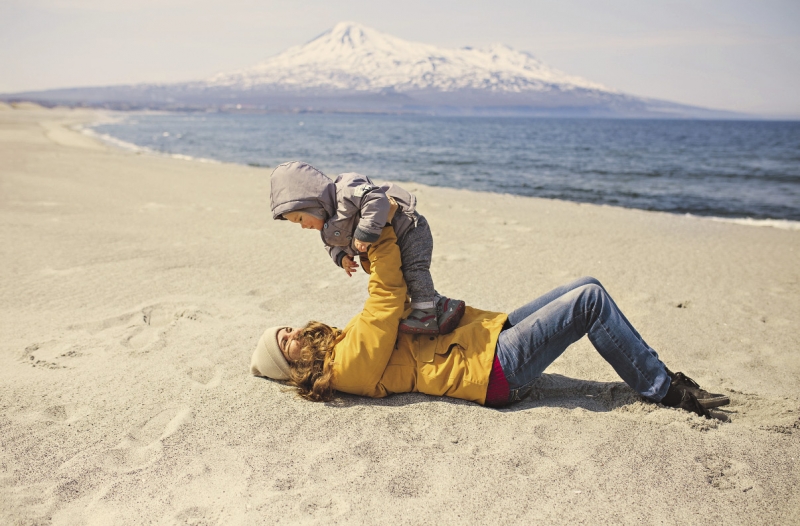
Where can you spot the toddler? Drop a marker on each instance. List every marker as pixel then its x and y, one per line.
pixel 350 213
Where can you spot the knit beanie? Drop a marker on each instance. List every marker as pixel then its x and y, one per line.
pixel 268 359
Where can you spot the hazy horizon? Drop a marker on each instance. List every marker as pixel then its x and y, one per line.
pixel 730 55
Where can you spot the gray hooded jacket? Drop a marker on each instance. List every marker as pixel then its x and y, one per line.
pixel 352 206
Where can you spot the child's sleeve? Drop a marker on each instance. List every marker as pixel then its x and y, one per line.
pixel 337 254
pixel 374 207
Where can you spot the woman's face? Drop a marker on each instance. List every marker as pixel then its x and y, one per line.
pixel 305 220
pixel 288 344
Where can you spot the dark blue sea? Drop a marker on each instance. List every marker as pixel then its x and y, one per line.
pixel 729 169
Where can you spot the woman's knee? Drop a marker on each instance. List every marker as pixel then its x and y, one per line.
pixel 588 280
pixel 591 296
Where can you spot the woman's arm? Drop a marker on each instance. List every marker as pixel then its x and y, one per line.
pixel 369 339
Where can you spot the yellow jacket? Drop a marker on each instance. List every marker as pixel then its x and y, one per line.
pixel 373 359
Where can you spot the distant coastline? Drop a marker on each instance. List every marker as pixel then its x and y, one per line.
pixel 651 174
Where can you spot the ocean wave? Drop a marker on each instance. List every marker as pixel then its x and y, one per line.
pixel 119 143
pixel 730 171
pixel 125 145
pixel 783 224
pixel 190 158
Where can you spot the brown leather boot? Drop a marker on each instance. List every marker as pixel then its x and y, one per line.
pixel 680 398
pixel 706 399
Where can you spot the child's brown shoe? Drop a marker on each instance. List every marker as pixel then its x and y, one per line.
pixel 449 313
pixel 420 321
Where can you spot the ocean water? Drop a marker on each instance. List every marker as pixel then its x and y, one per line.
pixel 726 169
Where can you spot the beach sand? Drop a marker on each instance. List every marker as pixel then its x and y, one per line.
pixel 134 288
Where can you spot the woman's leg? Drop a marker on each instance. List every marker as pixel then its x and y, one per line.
pixel 526 310
pixel 562 317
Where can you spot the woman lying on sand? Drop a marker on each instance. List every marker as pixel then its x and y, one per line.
pixel 490 358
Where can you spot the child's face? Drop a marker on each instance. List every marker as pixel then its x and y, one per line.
pixel 305 220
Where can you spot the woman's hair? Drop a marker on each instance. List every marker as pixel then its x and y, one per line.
pixel 312 373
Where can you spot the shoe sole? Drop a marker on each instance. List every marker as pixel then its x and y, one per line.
pixel 711 403
pixel 453 320
pixel 722 417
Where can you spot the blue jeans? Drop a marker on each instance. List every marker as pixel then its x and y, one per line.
pixel 541 330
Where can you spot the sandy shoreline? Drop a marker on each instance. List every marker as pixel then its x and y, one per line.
pixel 134 288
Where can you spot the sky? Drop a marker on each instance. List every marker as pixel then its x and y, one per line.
pixel 725 54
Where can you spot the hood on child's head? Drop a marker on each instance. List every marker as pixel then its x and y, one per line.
pixel 298 186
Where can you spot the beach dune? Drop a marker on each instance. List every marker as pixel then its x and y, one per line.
pixel 134 287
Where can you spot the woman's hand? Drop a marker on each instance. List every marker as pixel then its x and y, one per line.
pixel 349 265
pixel 362 246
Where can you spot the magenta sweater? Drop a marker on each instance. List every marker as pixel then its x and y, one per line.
pixel 498 391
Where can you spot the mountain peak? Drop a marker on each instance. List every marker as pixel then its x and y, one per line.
pixel 349 34
pixel 351 56
pixel 347 27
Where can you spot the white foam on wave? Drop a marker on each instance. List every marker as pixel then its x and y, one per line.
pixel 119 143
pixel 783 224
pixel 196 159
pixel 125 145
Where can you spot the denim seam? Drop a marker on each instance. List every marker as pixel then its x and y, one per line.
pixel 513 394
pixel 632 362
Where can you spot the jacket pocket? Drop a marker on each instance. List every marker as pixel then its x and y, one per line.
pixel 432 346
pixel 338 232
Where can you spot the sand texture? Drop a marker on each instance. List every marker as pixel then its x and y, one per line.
pixel 133 289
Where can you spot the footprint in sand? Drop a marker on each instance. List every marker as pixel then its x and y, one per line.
pixel 406 484
pixel 725 474
pixel 146 328
pixel 324 506
pixel 49 355
pixel 143 444
pixel 66 413
pixel 151 329
pixel 197 515
pixel 775 415
pixel 205 375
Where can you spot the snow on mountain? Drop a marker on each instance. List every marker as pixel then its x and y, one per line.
pixel 354 57
pixel 353 68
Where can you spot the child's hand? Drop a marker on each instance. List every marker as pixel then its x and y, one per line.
pixel 349 265
pixel 360 245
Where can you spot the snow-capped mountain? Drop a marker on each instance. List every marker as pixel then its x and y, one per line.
pixel 354 57
pixel 355 68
